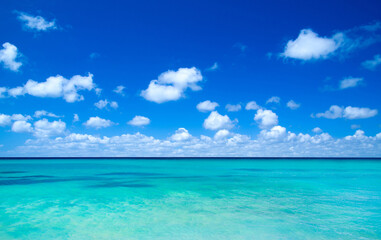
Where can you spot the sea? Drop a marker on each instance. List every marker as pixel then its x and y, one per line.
pixel 122 199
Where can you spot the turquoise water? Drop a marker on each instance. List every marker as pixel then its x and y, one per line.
pixel 190 199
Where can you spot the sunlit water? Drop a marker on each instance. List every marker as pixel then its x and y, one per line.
pixel 190 199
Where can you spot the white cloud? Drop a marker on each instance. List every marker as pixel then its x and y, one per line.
pixel 161 93
pixel 114 105
pixel 217 121
pixel 2 91
pixel 139 121
pixel 214 67
pixel 101 104
pixel 42 113
pixel 15 92
pixel 317 130
pixel 273 99
pixel 181 134
pixel 359 135
pixel 75 117
pixel 43 128
pixel 21 126
pixel 119 90
pixel 104 103
pixel 308 45
pixel 56 87
pixel 252 106
pixel 350 82
pixel 333 112
pixel 358 113
pixel 221 134
pixel 6 120
pixel 97 123
pixel 36 23
pixel 16 117
pixel 373 63
pixel 171 85
pixel 348 112
pixel 206 106
pixel 266 118
pixel 293 105
pixel 275 142
pixel 98 91
pixel 233 108
pixel 8 56
pixel 275 133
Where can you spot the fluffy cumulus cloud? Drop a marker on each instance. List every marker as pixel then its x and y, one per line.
pixel 217 121
pixel 273 99
pixel 43 128
pixel 36 23
pixel 252 105
pixel 171 85
pixel 266 118
pixel 233 107
pixel 8 56
pixel 275 133
pixel 14 92
pixel 181 134
pixel 221 134
pixel 206 106
pixel 373 63
pixel 97 122
pixel 105 103
pixel 56 87
pixel 119 90
pixel 6 120
pixel 293 105
pixel 276 141
pixel 350 82
pixel 21 126
pixel 309 45
pixel 358 113
pixel 139 121
pixel 333 112
pixel 348 112
pixel 317 130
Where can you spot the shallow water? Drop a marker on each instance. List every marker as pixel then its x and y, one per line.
pixel 190 199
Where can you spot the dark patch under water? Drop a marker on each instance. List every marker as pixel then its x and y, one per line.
pixel 30 176
pixel 121 184
pixel 28 181
pixel 130 174
pixel 12 172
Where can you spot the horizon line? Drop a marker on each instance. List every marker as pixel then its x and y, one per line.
pixel 196 158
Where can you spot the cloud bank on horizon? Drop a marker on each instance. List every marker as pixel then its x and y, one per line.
pixel 155 89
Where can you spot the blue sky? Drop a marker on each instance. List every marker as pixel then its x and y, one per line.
pixel 186 72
